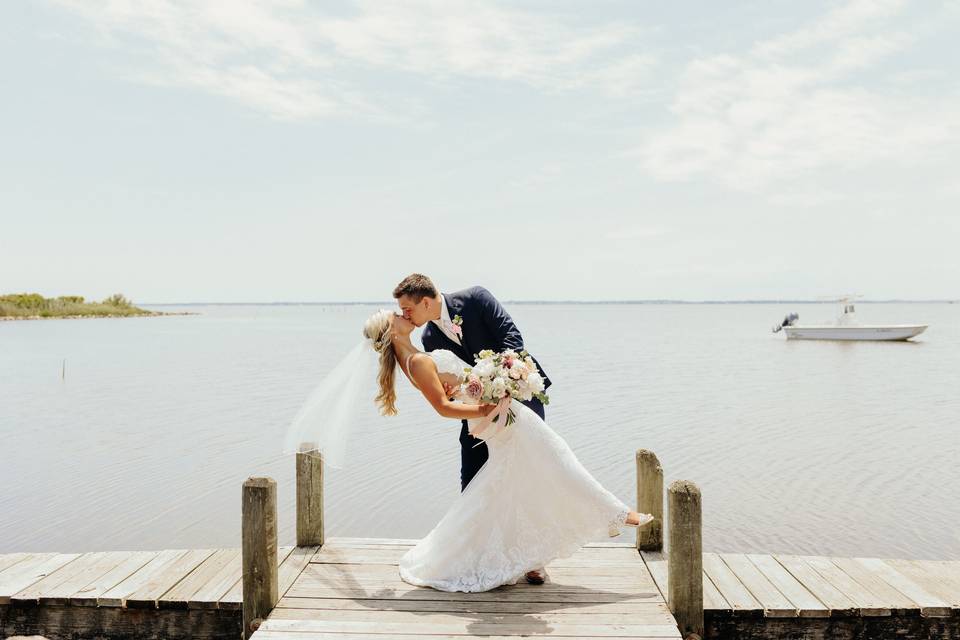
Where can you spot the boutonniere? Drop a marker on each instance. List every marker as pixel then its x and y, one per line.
pixel 456 329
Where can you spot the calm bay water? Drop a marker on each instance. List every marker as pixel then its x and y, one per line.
pixel 801 447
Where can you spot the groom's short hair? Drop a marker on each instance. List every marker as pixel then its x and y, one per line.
pixel 415 286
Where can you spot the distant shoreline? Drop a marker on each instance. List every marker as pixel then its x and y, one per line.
pixel 538 302
pixel 33 306
pixel 86 316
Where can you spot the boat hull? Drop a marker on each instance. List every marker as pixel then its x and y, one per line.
pixel 872 333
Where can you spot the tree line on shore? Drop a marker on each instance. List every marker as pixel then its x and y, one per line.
pixel 35 305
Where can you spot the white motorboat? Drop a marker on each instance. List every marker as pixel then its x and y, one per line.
pixel 846 327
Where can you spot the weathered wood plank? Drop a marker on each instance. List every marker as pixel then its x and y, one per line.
pixel 23 574
pixel 656 563
pixel 101 565
pixel 147 596
pixel 933 577
pixel 391 554
pixel 470 628
pixel 87 595
pixel 729 586
pixel 867 603
pixel 472 606
pixel 507 594
pixel 117 595
pixel 830 596
pixel 356 576
pixel 210 594
pixel 233 598
pixel 893 599
pixel 291 566
pixel 179 596
pixel 657 613
pixel 806 603
pixel 774 603
pixel 10 559
pixel 930 605
pixel 636 571
pixel 68 579
pixel 348 541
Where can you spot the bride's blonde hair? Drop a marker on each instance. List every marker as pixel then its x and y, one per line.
pixel 377 329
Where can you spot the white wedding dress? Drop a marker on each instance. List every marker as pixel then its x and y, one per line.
pixel 532 502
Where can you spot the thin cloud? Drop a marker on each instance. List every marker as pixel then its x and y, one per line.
pixel 795 104
pixel 293 61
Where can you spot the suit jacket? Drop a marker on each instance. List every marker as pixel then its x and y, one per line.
pixel 486 325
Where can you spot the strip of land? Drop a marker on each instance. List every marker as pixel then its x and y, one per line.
pixel 33 306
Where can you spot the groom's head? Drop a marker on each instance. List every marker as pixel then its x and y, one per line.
pixel 419 300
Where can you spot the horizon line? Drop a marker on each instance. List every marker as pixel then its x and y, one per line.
pixel 559 302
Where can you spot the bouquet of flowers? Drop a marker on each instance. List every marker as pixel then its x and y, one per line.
pixel 496 376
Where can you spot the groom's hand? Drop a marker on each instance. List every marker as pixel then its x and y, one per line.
pixel 448 389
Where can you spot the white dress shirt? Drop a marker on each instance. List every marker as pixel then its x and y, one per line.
pixel 445 321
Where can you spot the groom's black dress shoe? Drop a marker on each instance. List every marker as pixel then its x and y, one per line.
pixel 536 577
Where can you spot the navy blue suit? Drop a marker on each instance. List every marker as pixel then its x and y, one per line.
pixel 486 325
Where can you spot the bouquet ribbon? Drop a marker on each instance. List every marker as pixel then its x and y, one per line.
pixel 499 414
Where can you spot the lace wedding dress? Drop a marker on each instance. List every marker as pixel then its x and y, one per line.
pixel 532 502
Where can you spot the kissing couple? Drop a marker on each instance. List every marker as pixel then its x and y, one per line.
pixel 525 498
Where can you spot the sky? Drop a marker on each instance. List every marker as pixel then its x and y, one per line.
pixel 548 150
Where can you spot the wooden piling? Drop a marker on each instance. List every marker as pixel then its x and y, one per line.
pixel 309 496
pixel 650 500
pixel 685 559
pixel 259 552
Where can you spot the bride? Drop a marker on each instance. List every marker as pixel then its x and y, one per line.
pixel 532 502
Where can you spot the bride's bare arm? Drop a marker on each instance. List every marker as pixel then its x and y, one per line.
pixel 423 370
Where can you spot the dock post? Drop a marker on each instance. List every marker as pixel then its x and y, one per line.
pixel 685 559
pixel 309 496
pixel 259 551
pixel 650 500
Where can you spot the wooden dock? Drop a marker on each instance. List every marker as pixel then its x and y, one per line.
pixel 350 589
pixel 785 595
pixel 171 593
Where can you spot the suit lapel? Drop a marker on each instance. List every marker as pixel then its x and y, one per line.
pixel 454 309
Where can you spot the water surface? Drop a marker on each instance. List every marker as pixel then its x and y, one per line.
pixel 803 447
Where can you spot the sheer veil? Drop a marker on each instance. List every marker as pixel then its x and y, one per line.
pixel 329 415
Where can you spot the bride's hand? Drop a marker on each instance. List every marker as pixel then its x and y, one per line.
pixel 487 409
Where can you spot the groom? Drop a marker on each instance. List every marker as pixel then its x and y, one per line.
pixel 464 322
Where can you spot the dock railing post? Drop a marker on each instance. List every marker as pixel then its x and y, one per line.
pixel 309 496
pixel 259 551
pixel 685 558
pixel 650 500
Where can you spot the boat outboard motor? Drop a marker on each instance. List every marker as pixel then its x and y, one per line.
pixel 788 321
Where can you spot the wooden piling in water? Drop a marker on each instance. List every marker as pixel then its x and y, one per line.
pixel 685 558
pixel 259 552
pixel 650 500
pixel 309 496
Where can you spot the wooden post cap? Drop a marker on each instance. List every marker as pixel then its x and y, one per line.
pixel 259 482
pixel 680 487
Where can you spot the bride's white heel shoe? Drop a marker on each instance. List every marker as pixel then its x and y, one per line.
pixel 645 519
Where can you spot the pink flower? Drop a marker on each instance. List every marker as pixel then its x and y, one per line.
pixel 474 387
pixel 456 330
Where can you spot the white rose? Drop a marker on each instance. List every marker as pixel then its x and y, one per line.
pixel 499 388
pixel 484 368
pixel 535 381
